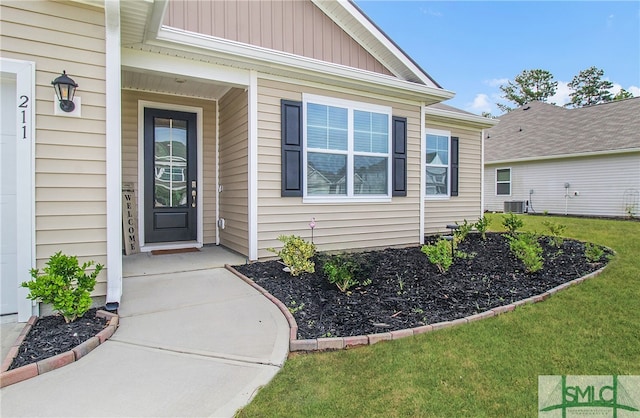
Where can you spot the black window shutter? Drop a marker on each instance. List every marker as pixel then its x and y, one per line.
pixel 399 166
pixel 291 132
pixel 454 165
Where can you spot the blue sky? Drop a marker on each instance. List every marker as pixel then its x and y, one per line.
pixel 473 47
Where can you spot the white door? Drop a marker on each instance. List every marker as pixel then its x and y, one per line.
pixel 8 206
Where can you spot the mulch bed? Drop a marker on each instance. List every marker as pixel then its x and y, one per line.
pixel 407 291
pixel 51 336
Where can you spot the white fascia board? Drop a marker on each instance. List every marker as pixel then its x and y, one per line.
pixel 149 61
pixel 278 62
pixel 473 119
pixel 381 38
pixel 563 156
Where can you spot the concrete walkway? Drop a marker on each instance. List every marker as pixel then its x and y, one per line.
pixel 190 343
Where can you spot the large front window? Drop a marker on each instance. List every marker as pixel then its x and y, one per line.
pixel 347 148
pixel 438 164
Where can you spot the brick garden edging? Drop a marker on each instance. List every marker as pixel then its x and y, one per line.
pixel 9 377
pixel 339 343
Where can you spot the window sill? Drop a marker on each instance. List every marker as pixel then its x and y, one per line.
pixel 344 200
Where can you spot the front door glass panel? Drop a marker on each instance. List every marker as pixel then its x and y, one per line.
pixel 170 163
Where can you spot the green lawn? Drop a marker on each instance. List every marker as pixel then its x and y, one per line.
pixel 487 368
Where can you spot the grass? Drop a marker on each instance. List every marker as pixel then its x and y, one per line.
pixel 488 368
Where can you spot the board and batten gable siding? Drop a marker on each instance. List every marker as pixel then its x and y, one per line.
pixel 130 157
pixel 297 27
pixel 341 226
pixel 438 213
pixel 70 152
pixel 234 174
pixel 601 183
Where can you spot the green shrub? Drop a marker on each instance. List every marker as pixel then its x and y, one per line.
pixel 526 248
pixel 482 225
pixel 439 254
pixel 512 223
pixel 65 285
pixel 593 253
pixel 463 230
pixel 555 230
pixel 342 270
pixel 296 254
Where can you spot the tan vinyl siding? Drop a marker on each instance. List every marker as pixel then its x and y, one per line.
pixel 130 100
pixel 70 181
pixel 439 213
pixel 297 27
pixel 234 164
pixel 605 184
pixel 339 226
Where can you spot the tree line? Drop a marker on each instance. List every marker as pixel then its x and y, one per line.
pixel 588 88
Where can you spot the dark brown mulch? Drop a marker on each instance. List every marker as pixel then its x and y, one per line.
pixel 51 336
pixel 407 291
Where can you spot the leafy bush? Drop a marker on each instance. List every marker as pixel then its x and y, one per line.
pixel 593 253
pixel 526 248
pixel 555 230
pixel 512 223
pixel 296 254
pixel 463 230
pixel 342 270
pixel 65 285
pixel 439 254
pixel 482 225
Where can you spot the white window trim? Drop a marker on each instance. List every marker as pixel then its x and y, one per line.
pixel 503 182
pixel 438 132
pixel 351 106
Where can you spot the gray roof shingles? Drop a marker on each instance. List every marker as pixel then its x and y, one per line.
pixel 543 130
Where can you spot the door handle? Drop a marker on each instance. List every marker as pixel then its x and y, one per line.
pixel 193 194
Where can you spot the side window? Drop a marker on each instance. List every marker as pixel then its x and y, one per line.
pixel 438 164
pixel 503 182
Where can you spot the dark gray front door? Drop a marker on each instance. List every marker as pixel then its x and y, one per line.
pixel 170 194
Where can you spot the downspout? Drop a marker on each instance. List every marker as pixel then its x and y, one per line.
pixel 423 162
pixel 482 174
pixel 114 154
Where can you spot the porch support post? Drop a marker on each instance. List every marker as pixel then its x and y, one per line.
pixel 113 151
pixel 253 165
pixel 423 162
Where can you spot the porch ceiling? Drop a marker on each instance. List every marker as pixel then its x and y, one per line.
pixel 158 82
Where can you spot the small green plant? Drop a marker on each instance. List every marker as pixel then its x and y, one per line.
pixel 296 254
pixel 593 253
pixel 512 223
pixel 463 230
pixel 545 212
pixel 64 284
pixel 556 231
pixel 341 270
pixel 526 248
pixel 295 307
pixel 439 254
pixel 482 225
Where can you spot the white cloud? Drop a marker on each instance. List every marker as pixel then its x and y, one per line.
pixel 561 97
pixel 480 104
pixel 430 12
pixel 497 82
pixel 635 90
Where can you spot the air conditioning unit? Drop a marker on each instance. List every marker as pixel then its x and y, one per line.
pixel 514 206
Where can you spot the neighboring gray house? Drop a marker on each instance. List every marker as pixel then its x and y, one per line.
pixel 583 161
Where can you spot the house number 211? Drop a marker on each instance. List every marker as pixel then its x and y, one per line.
pixel 22 114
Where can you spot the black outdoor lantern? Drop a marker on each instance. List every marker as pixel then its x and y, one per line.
pixel 65 89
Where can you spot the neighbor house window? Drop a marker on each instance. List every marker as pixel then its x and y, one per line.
pixel 438 164
pixel 347 148
pixel 503 182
